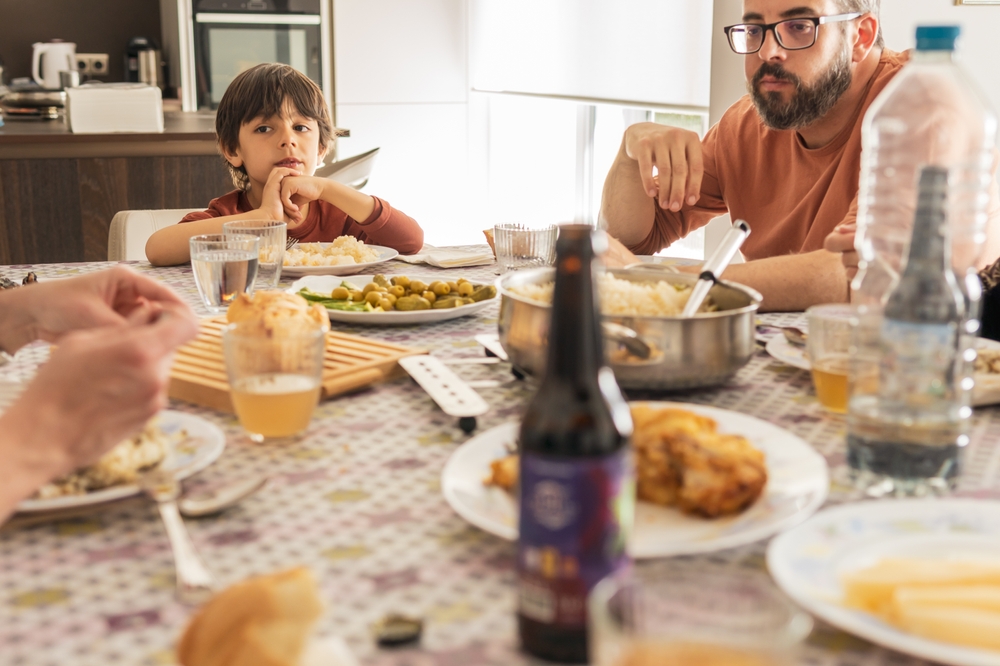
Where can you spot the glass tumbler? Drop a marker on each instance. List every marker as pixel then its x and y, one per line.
pixel 272 235
pixel 685 615
pixel 828 344
pixel 223 268
pixel 275 381
pixel 520 246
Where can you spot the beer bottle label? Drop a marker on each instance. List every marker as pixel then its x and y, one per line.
pixel 575 518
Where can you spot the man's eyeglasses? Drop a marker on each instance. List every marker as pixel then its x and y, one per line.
pixel 792 34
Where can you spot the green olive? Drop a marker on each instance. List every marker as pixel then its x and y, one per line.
pixel 429 296
pixel 465 289
pixel 484 293
pixel 373 298
pixel 380 280
pixel 370 287
pixel 357 295
pixel 453 285
pixel 400 280
pixel 397 290
pixel 467 301
pixel 340 294
pixel 390 297
pixel 385 304
pixel 461 280
pixel 417 286
pixel 440 288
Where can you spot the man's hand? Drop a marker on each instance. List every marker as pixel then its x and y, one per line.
pixel 841 240
pixel 271 200
pixel 618 256
pixel 676 154
pixel 51 309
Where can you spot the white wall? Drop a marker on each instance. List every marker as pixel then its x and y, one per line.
pixel 980 45
pixel 401 82
pixel 728 80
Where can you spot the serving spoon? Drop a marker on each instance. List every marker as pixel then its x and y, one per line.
pixel 199 505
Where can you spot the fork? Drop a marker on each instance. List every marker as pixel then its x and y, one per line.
pixel 194 582
pixel 291 242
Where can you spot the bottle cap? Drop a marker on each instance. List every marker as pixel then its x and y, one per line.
pixel 937 37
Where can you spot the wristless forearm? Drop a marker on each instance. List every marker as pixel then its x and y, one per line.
pixel 17 324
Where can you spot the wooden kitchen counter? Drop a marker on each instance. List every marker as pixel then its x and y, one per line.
pixel 59 190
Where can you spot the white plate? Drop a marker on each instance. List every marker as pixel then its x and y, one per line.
pixel 203 444
pixel 384 255
pixel 797 485
pixel 781 349
pixel 985 392
pixel 807 561
pixel 326 284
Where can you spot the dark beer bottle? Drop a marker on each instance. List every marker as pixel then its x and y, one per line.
pixel 576 481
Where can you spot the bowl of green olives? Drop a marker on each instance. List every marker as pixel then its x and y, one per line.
pixel 395 299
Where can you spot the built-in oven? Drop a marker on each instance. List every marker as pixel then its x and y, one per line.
pixel 230 36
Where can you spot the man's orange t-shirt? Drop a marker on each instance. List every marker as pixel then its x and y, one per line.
pixel 324 222
pixel 792 196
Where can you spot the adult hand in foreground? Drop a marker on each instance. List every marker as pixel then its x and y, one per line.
pixel 676 154
pixel 48 310
pixel 841 240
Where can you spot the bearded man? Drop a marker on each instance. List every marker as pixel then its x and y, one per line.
pixel 786 157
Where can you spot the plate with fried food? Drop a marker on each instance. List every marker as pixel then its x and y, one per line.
pixel 171 441
pixel 921 576
pixel 397 299
pixel 346 255
pixel 707 479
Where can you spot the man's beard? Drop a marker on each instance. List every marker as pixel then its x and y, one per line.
pixel 808 103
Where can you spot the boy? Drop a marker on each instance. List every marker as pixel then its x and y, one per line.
pixel 273 129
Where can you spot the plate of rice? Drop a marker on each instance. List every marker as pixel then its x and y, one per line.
pixel 171 441
pixel 344 256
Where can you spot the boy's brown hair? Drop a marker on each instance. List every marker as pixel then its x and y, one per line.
pixel 262 91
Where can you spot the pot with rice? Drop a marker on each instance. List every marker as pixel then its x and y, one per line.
pixel 648 344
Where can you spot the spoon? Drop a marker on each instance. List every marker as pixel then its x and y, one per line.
pixel 219 499
pixel 795 336
pixel 715 264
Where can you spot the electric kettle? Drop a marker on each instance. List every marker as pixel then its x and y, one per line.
pixel 58 56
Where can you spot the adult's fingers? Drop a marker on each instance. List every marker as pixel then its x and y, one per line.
pixel 678 176
pixel 644 160
pixel 696 171
pixel 173 328
pixel 129 287
pixel 839 241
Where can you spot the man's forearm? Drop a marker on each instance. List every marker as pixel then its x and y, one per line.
pixel 626 210
pixel 17 323
pixel 25 464
pixel 792 283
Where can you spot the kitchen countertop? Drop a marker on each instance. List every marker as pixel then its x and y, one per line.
pixel 183 134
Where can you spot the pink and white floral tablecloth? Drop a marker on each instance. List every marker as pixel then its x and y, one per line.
pixel 358 499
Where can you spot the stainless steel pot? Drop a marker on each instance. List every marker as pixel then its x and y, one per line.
pixel 704 350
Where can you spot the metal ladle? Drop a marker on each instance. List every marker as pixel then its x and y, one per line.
pixel 715 264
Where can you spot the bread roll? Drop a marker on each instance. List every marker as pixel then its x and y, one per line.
pixel 278 313
pixel 263 621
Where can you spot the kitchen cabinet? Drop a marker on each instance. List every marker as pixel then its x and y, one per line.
pixel 59 191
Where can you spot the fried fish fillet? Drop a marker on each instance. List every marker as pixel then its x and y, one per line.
pixel 682 461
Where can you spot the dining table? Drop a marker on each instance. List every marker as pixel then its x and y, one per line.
pixel 358 500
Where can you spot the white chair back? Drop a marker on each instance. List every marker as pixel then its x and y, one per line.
pixel 130 229
pixel 352 171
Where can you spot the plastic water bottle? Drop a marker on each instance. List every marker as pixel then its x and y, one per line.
pixel 931 113
pixel 906 435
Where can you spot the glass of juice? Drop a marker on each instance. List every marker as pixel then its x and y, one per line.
pixel 274 381
pixel 828 344
pixel 670 614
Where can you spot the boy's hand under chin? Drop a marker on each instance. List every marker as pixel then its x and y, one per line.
pixel 271 199
pixel 298 190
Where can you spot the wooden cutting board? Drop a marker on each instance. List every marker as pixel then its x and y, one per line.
pixel 352 362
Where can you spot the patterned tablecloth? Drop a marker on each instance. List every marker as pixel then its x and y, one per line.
pixel 358 499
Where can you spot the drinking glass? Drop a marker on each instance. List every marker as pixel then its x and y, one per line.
pixel 274 381
pixel 272 235
pixel 828 344
pixel 223 268
pixel 521 246
pixel 679 615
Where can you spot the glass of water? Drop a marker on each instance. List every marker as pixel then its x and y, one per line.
pixel 521 246
pixel 223 268
pixel 272 235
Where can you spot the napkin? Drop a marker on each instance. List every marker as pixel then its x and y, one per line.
pixel 448 257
